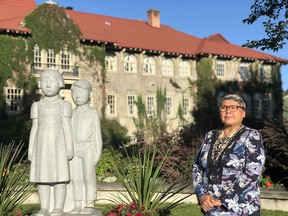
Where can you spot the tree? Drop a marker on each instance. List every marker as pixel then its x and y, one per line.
pixel 275 15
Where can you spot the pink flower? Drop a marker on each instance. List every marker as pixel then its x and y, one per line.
pixel 119 208
pixel 18 213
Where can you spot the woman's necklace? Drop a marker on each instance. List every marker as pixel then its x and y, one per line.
pixel 222 143
pixel 233 133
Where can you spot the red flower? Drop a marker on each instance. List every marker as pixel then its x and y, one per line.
pixel 119 208
pixel 18 213
pixel 112 213
pixel 129 214
pixel 268 184
pixel 138 214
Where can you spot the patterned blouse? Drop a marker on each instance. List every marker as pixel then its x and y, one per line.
pixel 230 171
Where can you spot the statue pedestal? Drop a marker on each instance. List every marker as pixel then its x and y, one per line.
pixel 97 213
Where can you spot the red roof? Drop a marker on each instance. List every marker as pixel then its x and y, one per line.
pixel 133 34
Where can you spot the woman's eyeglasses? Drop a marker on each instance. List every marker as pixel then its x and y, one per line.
pixel 232 108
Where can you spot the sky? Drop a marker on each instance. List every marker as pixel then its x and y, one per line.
pixel 200 18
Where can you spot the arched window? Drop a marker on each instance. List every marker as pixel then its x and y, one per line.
pixel 130 63
pixel 167 67
pixel 111 62
pixel 149 65
pixel 184 68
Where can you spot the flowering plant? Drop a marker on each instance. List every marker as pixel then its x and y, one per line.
pixel 147 193
pixel 266 182
pixel 19 213
pixel 132 209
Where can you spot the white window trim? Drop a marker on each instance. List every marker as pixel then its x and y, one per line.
pixel 220 70
pixel 111 63
pixel 130 63
pixel 131 106
pixel 167 67
pixel 150 105
pixel 169 106
pixel 184 68
pixel 149 65
pixel 111 104
pixel 14 99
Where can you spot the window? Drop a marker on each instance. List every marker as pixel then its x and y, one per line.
pixel 184 69
pixel 244 71
pixel 185 104
pixel 111 102
pixel 168 106
pixel 266 105
pixel 220 68
pixel 110 62
pixel 266 73
pixel 167 67
pixel 130 63
pixel 37 56
pixel 131 105
pixel 65 60
pixel 50 58
pixel 257 106
pixel 14 97
pixel 150 106
pixel 149 65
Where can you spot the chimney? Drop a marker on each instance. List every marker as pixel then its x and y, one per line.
pixel 154 18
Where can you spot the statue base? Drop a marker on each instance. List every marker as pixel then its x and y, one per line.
pixel 96 213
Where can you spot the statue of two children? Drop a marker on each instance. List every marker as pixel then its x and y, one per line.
pixel 64 146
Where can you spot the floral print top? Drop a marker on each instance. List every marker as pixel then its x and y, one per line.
pixel 234 177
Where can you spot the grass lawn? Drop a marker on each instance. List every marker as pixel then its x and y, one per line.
pixel 183 210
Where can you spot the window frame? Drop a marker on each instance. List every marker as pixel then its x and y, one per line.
pixel 130 63
pixel 149 65
pixel 184 68
pixel 111 104
pixel 220 68
pixel 167 67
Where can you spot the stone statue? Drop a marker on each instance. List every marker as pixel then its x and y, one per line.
pixel 50 144
pixel 87 149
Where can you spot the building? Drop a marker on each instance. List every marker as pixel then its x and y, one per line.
pixel 141 56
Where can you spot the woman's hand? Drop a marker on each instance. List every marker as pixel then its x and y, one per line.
pixel 207 202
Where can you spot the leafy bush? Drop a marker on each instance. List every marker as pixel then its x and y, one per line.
pixel 114 133
pixel 15 187
pixel 275 138
pixel 104 168
pixel 143 183
pixel 179 164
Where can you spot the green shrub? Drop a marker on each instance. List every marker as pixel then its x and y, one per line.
pixel 15 187
pixel 114 133
pixel 105 170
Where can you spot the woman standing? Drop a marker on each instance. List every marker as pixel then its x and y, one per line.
pixel 229 163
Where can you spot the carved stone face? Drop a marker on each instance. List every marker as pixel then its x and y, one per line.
pixel 80 96
pixel 49 86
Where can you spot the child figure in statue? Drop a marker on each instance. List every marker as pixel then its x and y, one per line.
pixel 87 140
pixel 50 143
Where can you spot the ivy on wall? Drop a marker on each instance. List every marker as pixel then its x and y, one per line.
pixel 52 28
pixel 13 62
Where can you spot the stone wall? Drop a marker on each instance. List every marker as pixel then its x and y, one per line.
pixel 271 199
